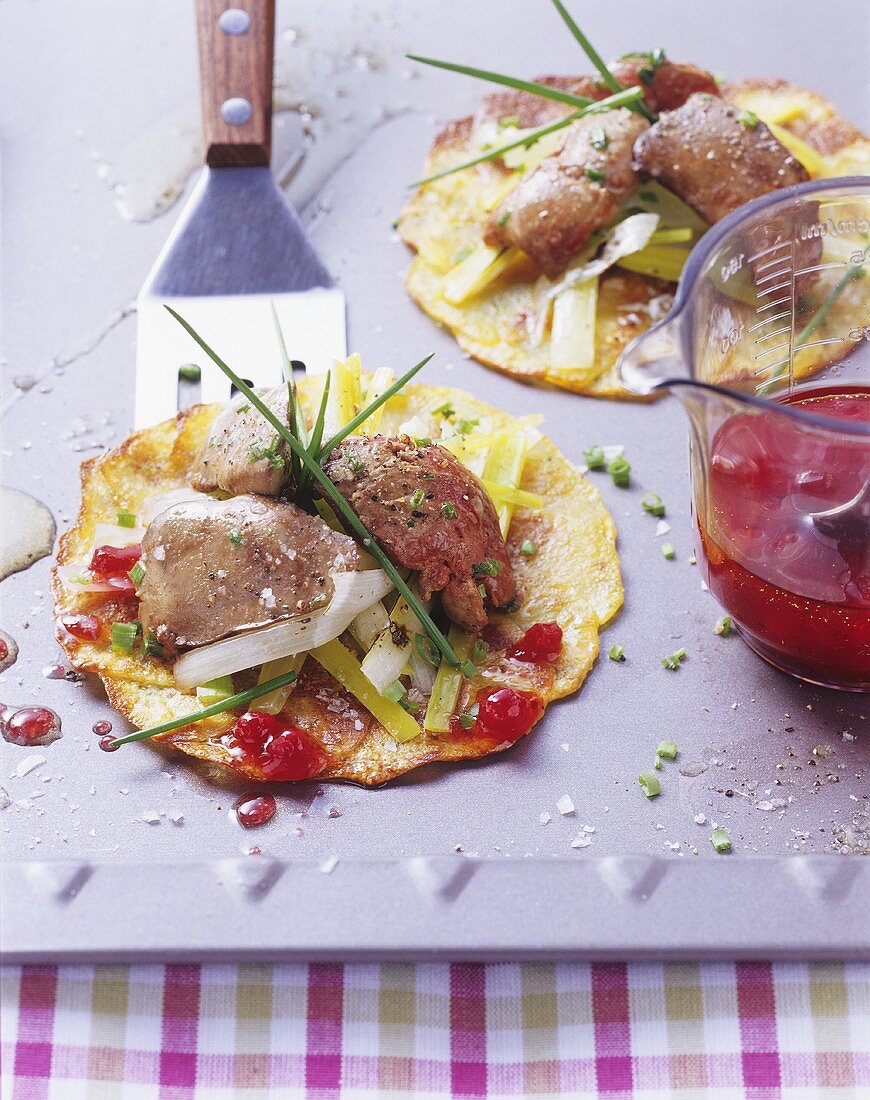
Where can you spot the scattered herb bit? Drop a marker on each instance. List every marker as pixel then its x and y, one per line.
pixel 124 637
pixel 125 519
pixel 446 410
pixel 479 651
pixel 528 548
pixel 422 441
pixel 657 763
pixel 724 626
pixel 594 174
pixel 355 463
pixel 426 651
pixel 394 692
pixel 468 717
pixel 650 784
pixel 465 426
pixel 617 652
pixel 190 372
pixel 137 574
pixel 619 469
pixel 720 840
pixel 489 568
pixel 594 458
pixel 668 551
pixel 236 538
pixel 481 588
pixel 268 451
pixel 151 647
pixel 667 749
pixel 506 609
pixel 749 119
pixel 653 504
pixel 417 498
pixel 673 660
pixel 598 139
pixel 320 600
pixel 468 669
pixel 243 409
pixel 508 120
pixel 504 218
pixel 410 705
pixel 448 510
pixel 234 701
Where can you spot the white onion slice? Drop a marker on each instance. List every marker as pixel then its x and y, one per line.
pixel 158 503
pixel 354 592
pixel 108 534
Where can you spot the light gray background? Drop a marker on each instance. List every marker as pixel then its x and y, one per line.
pixel 78 85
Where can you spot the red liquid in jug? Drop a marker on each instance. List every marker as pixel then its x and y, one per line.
pixel 800 594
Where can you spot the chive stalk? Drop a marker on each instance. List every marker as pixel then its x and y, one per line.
pixel 543 90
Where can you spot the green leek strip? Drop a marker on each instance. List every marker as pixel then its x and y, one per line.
pixel 448 681
pixel 314 469
pixel 475 273
pixel 659 261
pixel 678 235
pixel 652 198
pixel 504 467
pixel 217 690
pixel 340 663
pixel 572 337
pixel 378 384
pixel 273 703
pixel 519 498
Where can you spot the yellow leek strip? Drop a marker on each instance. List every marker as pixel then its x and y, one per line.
pixel 660 261
pixel 677 235
pixel 273 703
pixel 502 189
pixel 341 403
pixel 529 159
pixel 448 681
pixel 354 367
pixel 519 498
pixel 504 467
pixel 382 379
pixel 572 336
pixel 341 663
pixel 473 274
pixel 785 112
pixel 812 160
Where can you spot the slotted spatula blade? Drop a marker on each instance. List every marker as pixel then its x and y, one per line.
pixel 238 247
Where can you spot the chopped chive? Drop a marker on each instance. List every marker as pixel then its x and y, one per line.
pixel 239 700
pixel 463 427
pixel 426 651
pixel 468 669
pixel 657 763
pixel 528 548
pixel 720 840
pixel 650 784
pixel 125 519
pixel 468 717
pixel 137 574
pixel 311 466
pixel 508 120
pixel 489 568
pixel 448 510
pixel 481 588
pixel 653 504
pixel 667 749
pixel 124 637
pixel 594 174
pixel 724 626
pixel 479 651
pixel 395 691
pixel 674 660
pixel 598 139
pixel 417 498
pixel 616 652
pixel 619 469
pixel 150 646
pixel 410 705
pixel 749 119
pixel 190 372
pixel 446 410
pixel 668 551
pixel 214 691
pixel 423 441
pixel 503 219
pixel 595 458
pixel 236 538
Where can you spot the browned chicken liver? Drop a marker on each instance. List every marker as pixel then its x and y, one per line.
pixel 666 85
pixel 243 453
pixel 430 514
pixel 213 567
pixel 552 214
pixel 715 157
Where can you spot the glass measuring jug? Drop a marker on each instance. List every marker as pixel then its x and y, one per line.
pixel 768 348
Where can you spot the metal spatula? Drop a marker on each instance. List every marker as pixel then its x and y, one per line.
pixel 238 247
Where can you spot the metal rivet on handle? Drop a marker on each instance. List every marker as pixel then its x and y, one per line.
pixel 236 111
pixel 234 21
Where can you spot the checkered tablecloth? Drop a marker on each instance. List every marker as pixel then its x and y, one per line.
pixel 625 1032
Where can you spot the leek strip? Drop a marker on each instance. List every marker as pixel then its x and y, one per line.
pixel 340 663
pixel 369 624
pixel 572 336
pixel 109 534
pixel 273 703
pixel 810 158
pixel 526 160
pixel 660 261
pixel 673 213
pixel 784 112
pixel 340 407
pixel 448 681
pixel 222 688
pixel 504 466
pixel 380 381
pixel 677 235
pixel 354 367
pixel 474 274
pixel 502 189
pixel 386 659
pixel 505 494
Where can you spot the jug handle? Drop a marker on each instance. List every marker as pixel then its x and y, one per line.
pixel 654 359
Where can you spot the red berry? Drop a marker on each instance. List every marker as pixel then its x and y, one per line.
pixel 283 752
pixel 85 627
pixel 114 562
pixel 504 714
pixel 541 642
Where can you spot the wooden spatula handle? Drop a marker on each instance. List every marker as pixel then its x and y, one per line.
pixel 236 49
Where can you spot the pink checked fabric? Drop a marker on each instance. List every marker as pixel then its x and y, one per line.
pixel 623 1032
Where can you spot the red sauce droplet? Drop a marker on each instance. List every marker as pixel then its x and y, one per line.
pixel 283 751
pixel 4 649
pixel 255 809
pixel 113 563
pixel 85 627
pixel 102 728
pixel 541 642
pixel 503 714
pixel 30 725
pixel 107 743
pixel 8 651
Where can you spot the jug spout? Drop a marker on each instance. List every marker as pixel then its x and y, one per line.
pixel 654 360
